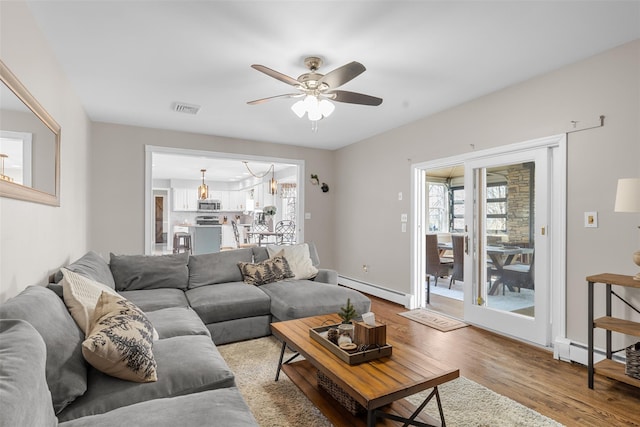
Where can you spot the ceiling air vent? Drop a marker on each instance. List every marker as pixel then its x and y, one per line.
pixel 181 107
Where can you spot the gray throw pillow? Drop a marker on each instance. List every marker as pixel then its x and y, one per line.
pixel 25 396
pixel 221 267
pixel 66 370
pixel 92 266
pixel 137 272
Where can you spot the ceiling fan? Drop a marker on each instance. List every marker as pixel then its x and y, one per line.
pixel 316 89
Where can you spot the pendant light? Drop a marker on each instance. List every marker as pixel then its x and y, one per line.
pixel 203 189
pixel 273 184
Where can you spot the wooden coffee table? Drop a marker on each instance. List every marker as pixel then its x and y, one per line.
pixel 379 385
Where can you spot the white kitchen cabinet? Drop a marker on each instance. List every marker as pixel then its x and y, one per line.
pixel 185 199
pixel 236 200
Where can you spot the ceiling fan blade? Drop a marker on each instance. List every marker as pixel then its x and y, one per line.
pixel 353 97
pixel 342 75
pixel 263 100
pixel 276 75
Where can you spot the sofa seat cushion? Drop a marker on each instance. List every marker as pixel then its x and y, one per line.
pixel 294 299
pixel 156 299
pixel 219 267
pixel 137 272
pixel 223 407
pixel 25 396
pixel 228 301
pixel 177 321
pixel 66 370
pixel 186 364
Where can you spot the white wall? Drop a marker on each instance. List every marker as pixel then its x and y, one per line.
pixel 117 184
pixel 372 173
pixel 36 239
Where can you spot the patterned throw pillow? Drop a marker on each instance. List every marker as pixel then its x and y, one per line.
pixel 121 340
pixel 267 271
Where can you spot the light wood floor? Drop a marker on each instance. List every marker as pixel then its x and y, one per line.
pixel 525 373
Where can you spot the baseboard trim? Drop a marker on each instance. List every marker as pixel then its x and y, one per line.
pixel 579 353
pixel 376 290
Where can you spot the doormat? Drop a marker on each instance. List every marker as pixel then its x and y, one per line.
pixel 434 320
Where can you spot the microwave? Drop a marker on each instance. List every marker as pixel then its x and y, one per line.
pixel 209 205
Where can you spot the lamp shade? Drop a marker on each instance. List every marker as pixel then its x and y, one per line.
pixel 628 195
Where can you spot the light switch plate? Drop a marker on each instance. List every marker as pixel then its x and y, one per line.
pixel 591 219
pixel 403 217
pixel 307 215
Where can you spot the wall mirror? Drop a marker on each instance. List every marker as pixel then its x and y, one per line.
pixel 29 145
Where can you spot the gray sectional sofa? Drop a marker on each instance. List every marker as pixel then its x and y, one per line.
pixel 193 302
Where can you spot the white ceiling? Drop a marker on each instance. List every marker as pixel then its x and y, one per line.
pixel 129 61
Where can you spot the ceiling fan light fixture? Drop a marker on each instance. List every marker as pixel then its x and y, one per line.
pixel 299 108
pixel 326 107
pixel 315 110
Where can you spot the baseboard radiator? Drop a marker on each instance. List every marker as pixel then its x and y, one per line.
pixel 576 352
pixel 376 290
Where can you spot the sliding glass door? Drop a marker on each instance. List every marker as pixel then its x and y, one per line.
pixel 506 215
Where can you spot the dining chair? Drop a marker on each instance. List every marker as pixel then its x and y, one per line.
pixel 519 275
pixel 236 234
pixel 457 272
pixel 287 230
pixel 436 266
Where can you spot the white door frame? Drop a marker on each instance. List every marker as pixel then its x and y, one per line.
pixel 557 221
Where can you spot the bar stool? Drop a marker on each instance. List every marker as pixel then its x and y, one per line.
pixel 181 242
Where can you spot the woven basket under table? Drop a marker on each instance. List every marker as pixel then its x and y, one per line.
pixel 339 394
pixel 632 365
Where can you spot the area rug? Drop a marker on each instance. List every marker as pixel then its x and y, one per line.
pixel 282 404
pixel 434 320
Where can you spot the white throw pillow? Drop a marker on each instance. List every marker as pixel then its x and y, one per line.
pixel 298 258
pixel 81 295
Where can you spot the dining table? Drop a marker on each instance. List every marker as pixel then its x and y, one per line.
pixel 500 256
pixel 264 234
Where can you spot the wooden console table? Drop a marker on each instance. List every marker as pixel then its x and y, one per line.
pixel 608 367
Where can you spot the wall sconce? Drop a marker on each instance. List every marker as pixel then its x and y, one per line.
pixel 316 181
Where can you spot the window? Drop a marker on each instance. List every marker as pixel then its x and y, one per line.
pixel 288 197
pixel 438 207
pixel 457 210
pixel 497 208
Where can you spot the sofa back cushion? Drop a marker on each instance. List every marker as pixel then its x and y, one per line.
pixel 137 272
pixel 221 267
pixel 92 266
pixel 66 370
pixel 25 396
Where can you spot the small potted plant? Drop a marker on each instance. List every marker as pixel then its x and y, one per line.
pixel 269 210
pixel 347 313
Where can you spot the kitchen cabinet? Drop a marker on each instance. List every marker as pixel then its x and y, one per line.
pixel 223 196
pixel 237 200
pixel 185 199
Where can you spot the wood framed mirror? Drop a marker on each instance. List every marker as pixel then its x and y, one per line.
pixel 29 145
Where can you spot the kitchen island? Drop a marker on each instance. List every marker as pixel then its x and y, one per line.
pixel 205 239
